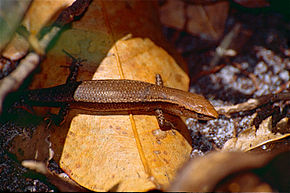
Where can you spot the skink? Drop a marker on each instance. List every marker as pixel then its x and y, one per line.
pixel 122 95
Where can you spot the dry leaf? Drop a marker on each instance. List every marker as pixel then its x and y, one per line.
pixel 253 4
pixel 36 147
pixel 172 14
pixel 38 15
pixel 42 12
pixel 29 63
pixel 107 153
pixel 203 173
pixel 11 14
pixel 234 172
pixel 206 21
pixel 100 152
pixel 63 183
pixel 17 48
pixel 252 138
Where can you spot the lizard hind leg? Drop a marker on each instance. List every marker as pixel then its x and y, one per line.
pixel 163 123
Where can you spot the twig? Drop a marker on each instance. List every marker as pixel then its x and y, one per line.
pixel 208 72
pixel 61 183
pixel 225 43
pixel 250 75
pixel 253 103
pixel 30 62
pixel 15 79
pixel 221 51
pixel 284 87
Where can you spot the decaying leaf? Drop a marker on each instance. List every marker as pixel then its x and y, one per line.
pixel 252 137
pixel 234 172
pixel 36 147
pixel 41 13
pixel 206 21
pixel 172 14
pixel 11 14
pixel 211 20
pixel 17 48
pixel 106 152
pixel 253 4
pixel 62 183
pixel 101 151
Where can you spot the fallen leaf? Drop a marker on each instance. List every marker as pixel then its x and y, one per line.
pixel 172 14
pixel 253 4
pixel 11 14
pixel 40 13
pixel 252 138
pixel 206 21
pixel 234 172
pixel 101 151
pixel 107 153
pixel 64 184
pixel 36 147
pixel 17 48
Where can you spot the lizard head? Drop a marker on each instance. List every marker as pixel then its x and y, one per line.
pixel 193 105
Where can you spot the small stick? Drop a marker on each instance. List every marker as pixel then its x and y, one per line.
pixel 253 103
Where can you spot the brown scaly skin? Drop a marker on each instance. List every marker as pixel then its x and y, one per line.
pixel 122 95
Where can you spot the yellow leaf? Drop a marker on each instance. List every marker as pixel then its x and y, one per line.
pixel 101 151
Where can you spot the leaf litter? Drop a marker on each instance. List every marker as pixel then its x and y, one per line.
pixel 231 85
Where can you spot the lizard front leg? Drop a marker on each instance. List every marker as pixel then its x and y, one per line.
pixel 74 69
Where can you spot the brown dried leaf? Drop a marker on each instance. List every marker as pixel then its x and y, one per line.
pixel 172 14
pixel 202 174
pixel 39 14
pixel 252 138
pixel 253 4
pixel 107 153
pixel 211 19
pixel 235 172
pixel 100 151
pixel 42 12
pixel 206 21
pixel 17 48
pixel 63 184
pixel 11 14
pixel 36 147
